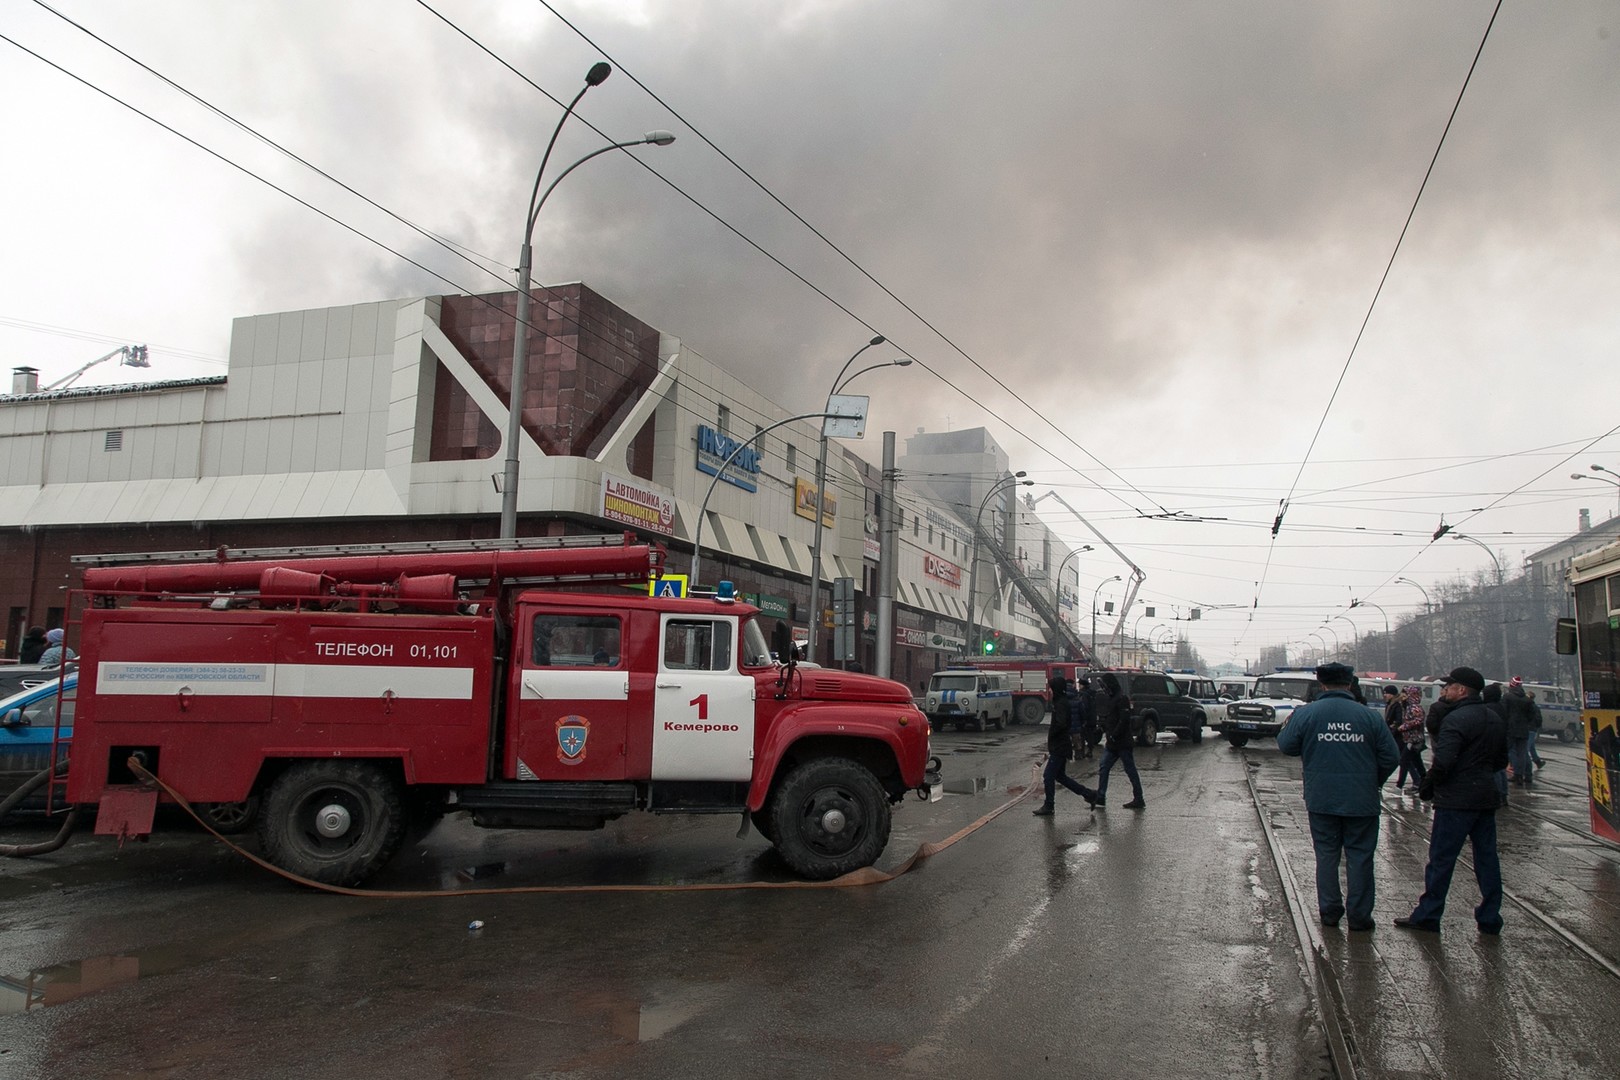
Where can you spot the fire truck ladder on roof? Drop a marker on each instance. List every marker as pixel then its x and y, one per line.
pixel 316 551
pixel 1037 596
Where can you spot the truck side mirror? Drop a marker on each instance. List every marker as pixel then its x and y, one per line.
pixel 1564 638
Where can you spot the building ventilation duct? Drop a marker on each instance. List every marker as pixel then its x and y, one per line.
pixel 24 380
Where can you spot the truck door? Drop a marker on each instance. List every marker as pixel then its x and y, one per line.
pixel 570 722
pixel 703 708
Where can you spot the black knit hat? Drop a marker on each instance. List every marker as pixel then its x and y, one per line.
pixel 1468 677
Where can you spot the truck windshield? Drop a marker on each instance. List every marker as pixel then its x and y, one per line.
pixel 755 651
pixel 1297 687
pixel 953 682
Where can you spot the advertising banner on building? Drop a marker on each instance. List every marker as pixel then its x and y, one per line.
pixel 943 570
pixel 639 504
pixel 713 449
pixel 905 635
pixel 804 502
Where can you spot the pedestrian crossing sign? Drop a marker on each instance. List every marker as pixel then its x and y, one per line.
pixel 668 585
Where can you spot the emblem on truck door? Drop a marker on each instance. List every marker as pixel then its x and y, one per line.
pixel 572 731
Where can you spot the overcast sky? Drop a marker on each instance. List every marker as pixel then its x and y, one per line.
pixel 1158 226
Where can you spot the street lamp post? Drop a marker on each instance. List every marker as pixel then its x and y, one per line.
pixel 1428 610
pixel 514 421
pixel 1605 479
pixel 1320 638
pixel 1336 649
pixel 821 486
pixel 1501 590
pixel 703 510
pixel 1381 611
pixel 1015 480
pixel 1094 595
pixel 1057 588
pixel 1355 635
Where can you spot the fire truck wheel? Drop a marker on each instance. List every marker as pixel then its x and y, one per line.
pixel 830 816
pixel 335 822
pixel 1031 710
pixel 230 818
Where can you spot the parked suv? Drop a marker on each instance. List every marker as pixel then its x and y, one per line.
pixel 967 697
pixel 1273 701
pixel 1158 704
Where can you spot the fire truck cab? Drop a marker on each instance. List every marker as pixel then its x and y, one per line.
pixel 357 695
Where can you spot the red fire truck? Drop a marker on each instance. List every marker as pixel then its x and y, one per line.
pixel 357 692
pixel 1031 696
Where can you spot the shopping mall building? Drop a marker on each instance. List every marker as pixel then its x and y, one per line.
pixel 385 422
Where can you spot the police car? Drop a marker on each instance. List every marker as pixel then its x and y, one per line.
pixel 967 697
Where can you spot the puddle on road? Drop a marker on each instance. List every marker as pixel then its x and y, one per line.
pixel 974 785
pixel 63 983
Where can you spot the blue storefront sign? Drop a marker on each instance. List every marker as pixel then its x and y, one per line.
pixel 712 450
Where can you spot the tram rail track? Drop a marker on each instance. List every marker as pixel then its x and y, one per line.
pixel 1420 826
pixel 1322 982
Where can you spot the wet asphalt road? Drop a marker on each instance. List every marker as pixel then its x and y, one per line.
pixel 1116 944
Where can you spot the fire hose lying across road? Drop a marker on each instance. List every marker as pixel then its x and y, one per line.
pixel 865 876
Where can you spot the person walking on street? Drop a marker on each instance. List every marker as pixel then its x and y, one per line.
pixel 1535 732
pixel 33 644
pixel 1082 725
pixel 1492 697
pixel 1521 718
pixel 1115 717
pixel 1472 745
pixel 1394 710
pixel 1059 746
pixel 1348 754
pixel 1409 735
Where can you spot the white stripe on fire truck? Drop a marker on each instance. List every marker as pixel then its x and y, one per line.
pixel 139 679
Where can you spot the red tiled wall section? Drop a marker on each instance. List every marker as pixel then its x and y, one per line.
pixel 588 363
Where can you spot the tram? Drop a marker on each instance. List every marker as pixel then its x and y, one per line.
pixel 1593 637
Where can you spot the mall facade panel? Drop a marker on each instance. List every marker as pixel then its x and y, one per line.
pixel 385 421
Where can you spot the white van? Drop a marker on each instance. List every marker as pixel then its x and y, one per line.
pixel 967 697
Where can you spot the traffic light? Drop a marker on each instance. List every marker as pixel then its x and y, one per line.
pixel 992 643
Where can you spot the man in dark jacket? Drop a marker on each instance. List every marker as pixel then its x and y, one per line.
pixel 1521 719
pixel 1471 746
pixel 1058 749
pixel 1348 754
pixel 1114 709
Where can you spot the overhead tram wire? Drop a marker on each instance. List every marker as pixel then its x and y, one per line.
pixel 310 206
pixel 794 273
pixel 839 469
pixel 1282 508
pixel 467 290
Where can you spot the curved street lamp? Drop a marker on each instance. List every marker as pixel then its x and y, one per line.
pixel 514 421
pixel 1355 635
pixel 1095 594
pixel 1015 480
pixel 1381 611
pixel 703 510
pixel 1605 479
pixel 1501 590
pixel 1336 649
pixel 838 383
pixel 1057 583
pixel 1320 638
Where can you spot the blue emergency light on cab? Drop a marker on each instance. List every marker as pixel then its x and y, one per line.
pixel 726 592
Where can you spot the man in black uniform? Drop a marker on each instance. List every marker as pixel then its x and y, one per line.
pixel 1470 748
